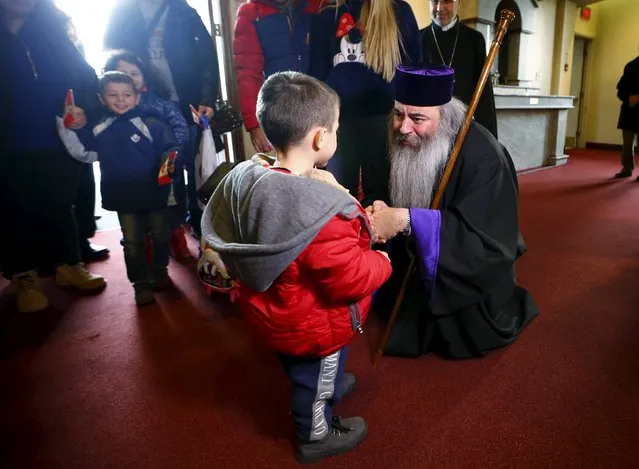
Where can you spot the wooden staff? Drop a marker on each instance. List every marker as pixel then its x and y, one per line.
pixel 505 18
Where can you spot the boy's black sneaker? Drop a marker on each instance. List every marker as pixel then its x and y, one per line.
pixel 344 435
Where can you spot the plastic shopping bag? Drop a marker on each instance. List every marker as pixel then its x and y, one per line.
pixel 207 159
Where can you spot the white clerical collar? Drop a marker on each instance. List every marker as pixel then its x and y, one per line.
pixel 448 27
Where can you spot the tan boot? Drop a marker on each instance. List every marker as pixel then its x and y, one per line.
pixel 29 297
pixel 77 276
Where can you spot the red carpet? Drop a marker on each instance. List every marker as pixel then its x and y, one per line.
pixel 95 383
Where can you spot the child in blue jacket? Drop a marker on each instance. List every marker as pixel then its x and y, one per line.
pixel 154 96
pixel 131 145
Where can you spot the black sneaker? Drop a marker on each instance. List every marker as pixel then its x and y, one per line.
pixel 624 173
pixel 93 252
pixel 344 435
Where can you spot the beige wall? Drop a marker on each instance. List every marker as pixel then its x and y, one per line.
pixel 616 43
pixel 564 37
pixel 421 10
pixel 585 28
pixel 541 50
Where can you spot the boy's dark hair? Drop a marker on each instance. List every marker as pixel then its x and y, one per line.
pixel 290 104
pixel 151 80
pixel 116 77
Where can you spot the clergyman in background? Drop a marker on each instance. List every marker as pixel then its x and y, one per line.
pixel 449 42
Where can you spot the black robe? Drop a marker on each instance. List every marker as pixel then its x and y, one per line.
pixel 629 85
pixel 468 62
pixel 462 300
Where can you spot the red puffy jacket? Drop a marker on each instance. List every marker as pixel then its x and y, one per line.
pixel 286 42
pixel 322 299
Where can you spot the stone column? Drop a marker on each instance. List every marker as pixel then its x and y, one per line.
pixel 556 138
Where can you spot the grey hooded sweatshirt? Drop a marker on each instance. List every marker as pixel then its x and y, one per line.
pixel 260 220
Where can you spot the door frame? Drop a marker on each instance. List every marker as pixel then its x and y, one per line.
pixel 580 140
pixel 223 31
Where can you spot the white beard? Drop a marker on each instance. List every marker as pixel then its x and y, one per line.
pixel 415 171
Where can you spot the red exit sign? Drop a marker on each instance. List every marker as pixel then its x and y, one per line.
pixel 585 13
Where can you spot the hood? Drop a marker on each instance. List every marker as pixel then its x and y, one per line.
pixel 260 220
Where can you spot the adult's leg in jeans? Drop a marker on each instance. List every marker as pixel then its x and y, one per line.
pixel 179 191
pixel 314 384
pixel 134 230
pixel 372 132
pixel 628 151
pixel 158 227
pixel 349 147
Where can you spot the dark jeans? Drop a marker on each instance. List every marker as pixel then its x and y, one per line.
pixel 315 382
pixel 363 143
pixel 628 150
pixel 185 191
pixel 135 227
pixel 37 190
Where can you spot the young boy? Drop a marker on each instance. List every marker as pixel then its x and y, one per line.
pixel 300 251
pixel 131 147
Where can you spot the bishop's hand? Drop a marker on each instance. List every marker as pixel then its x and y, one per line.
pixel 389 222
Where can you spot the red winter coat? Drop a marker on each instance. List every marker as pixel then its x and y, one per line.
pixel 321 300
pixel 265 42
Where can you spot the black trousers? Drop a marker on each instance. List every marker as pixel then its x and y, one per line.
pixel 628 150
pixel 363 143
pixel 85 203
pixel 37 190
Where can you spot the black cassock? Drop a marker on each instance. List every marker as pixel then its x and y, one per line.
pixel 463 300
pixel 468 61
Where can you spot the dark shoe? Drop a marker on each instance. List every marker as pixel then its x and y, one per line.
pixel 624 173
pixel 160 282
pixel 143 294
pixel 94 252
pixel 344 435
pixel 347 385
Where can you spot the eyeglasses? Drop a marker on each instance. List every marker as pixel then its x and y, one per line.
pixel 443 2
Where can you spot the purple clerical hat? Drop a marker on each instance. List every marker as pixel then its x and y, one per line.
pixel 424 85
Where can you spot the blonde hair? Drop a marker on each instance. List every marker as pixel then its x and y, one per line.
pixel 381 36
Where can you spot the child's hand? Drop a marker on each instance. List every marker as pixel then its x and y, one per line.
pixel 79 118
pixel 379 205
pixel 205 110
